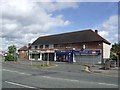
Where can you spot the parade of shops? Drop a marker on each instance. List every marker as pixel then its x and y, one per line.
pixel 85 46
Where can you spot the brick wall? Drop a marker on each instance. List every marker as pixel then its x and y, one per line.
pixel 23 55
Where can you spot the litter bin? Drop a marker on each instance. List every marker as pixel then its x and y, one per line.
pixel 107 64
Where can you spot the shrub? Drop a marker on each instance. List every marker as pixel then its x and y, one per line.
pixel 10 58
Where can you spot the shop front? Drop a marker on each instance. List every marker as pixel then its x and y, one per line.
pixel 64 55
pixel 87 56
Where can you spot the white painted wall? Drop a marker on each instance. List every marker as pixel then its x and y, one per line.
pixel 106 51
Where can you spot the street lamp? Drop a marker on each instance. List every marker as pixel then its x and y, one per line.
pixel 93 52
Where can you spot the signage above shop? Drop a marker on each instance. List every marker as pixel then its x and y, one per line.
pixel 87 52
pixel 50 51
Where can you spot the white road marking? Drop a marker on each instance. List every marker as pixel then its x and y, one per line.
pixel 78 81
pixel 16 72
pixel 17 84
pixel 9 70
pixel 108 84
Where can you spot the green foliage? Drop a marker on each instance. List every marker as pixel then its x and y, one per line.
pixel 113 51
pixel 12 49
pixel 10 58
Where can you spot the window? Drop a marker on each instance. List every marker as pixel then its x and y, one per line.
pixel 41 46
pixel 46 46
pixel 36 47
pixel 33 47
pixel 55 45
pixel 51 46
pixel 33 55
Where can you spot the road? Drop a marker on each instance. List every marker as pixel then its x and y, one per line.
pixel 61 76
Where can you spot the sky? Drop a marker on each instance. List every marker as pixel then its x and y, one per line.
pixel 23 21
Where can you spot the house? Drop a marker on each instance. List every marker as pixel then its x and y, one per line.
pixel 23 52
pixel 85 46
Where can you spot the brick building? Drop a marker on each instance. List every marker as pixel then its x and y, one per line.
pixel 23 52
pixel 85 46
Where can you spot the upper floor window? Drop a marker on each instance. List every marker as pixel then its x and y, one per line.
pixel 33 47
pixel 36 47
pixel 41 46
pixel 55 45
pixel 51 46
pixel 46 46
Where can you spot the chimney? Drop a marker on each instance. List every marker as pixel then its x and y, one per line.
pixel 96 31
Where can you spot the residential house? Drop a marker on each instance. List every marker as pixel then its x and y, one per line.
pixel 23 52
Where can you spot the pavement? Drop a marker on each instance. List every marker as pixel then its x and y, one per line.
pixel 113 71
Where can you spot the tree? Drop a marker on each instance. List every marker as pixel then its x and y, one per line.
pixel 114 50
pixel 11 56
pixel 12 49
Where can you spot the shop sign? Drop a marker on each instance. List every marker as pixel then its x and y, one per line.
pixel 64 51
pixel 94 52
pixel 50 51
pixel 87 52
pixel 34 52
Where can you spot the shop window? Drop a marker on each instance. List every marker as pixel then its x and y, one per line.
pixel 32 55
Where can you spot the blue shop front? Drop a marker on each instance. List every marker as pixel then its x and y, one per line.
pixel 64 55
pixel 78 55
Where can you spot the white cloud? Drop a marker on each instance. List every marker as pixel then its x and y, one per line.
pixel 24 20
pixel 51 7
pixel 109 29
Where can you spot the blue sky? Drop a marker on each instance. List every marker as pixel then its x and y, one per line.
pixel 31 20
pixel 88 15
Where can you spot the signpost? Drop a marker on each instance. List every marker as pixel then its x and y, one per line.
pixel 48 51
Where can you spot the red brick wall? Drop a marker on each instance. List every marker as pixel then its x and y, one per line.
pixel 23 55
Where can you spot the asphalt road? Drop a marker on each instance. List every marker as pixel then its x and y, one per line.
pixel 61 76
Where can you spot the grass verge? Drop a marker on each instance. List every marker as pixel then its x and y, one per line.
pixel 43 65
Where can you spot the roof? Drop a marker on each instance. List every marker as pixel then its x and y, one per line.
pixel 24 48
pixel 71 37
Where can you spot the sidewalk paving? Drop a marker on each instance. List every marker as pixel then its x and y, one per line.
pixel 113 71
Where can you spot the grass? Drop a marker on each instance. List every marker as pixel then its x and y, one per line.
pixel 42 65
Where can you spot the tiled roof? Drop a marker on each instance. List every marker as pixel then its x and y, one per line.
pixel 71 37
pixel 24 48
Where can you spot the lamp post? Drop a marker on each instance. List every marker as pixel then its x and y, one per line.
pixel 93 52
pixel 48 59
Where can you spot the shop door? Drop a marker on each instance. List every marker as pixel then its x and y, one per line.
pixel 51 56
